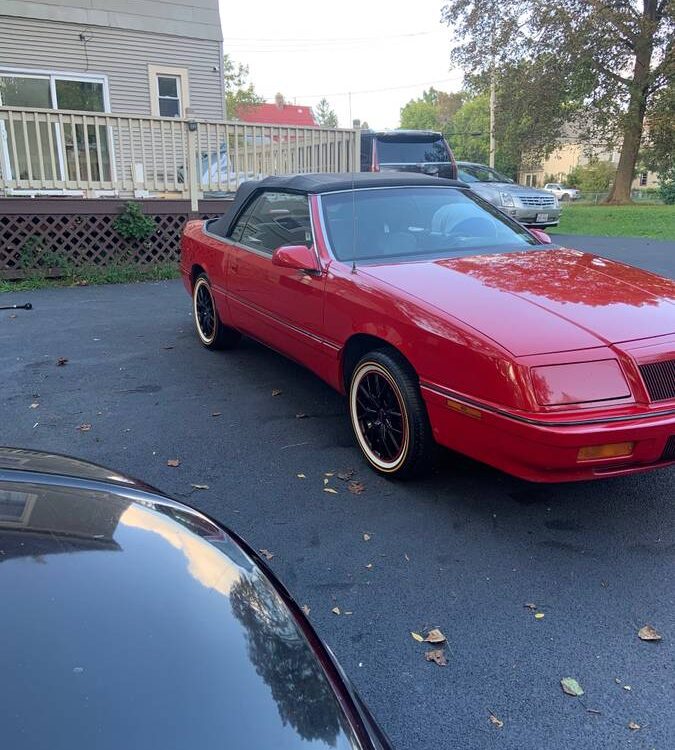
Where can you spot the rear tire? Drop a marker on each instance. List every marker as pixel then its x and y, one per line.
pixel 388 415
pixel 211 332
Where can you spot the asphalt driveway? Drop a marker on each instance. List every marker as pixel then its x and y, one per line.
pixel 464 550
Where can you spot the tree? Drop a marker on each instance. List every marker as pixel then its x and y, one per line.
pixel 324 115
pixel 237 91
pixel 659 152
pixel 434 110
pixel 589 45
pixel 469 134
pixel 595 177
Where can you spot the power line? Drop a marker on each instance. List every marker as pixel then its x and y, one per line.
pixel 376 91
pixel 316 40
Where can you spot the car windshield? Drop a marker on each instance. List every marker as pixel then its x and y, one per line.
pixel 411 150
pixel 479 173
pixel 409 223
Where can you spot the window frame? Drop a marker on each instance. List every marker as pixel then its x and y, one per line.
pixel 246 213
pixel 155 72
pixel 52 76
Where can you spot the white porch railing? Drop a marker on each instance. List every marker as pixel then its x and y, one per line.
pixel 92 154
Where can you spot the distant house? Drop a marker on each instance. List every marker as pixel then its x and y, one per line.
pixel 570 154
pixel 278 113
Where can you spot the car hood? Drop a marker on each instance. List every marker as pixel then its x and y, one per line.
pixel 542 301
pixel 139 622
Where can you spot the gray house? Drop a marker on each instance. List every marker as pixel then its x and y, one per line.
pixel 143 57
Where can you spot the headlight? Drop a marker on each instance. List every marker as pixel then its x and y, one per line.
pixel 579 383
pixel 507 199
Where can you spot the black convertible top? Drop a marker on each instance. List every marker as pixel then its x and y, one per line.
pixel 317 183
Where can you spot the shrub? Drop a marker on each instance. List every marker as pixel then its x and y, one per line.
pixel 595 177
pixel 133 224
pixel 667 187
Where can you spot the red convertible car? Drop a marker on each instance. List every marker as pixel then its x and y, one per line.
pixel 444 321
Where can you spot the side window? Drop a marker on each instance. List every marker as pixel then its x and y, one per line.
pixel 276 219
pixel 242 221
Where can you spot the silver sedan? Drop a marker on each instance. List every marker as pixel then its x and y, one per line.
pixel 529 206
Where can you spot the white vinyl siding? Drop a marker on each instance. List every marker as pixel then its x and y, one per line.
pixel 123 55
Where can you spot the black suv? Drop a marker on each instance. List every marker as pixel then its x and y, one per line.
pixel 423 151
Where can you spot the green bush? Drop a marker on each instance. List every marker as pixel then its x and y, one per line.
pixel 133 224
pixel 667 187
pixel 595 177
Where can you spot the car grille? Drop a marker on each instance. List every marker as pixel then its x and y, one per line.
pixel 537 200
pixel 659 378
pixel 669 451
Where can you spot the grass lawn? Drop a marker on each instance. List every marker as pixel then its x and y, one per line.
pixel 84 276
pixel 654 221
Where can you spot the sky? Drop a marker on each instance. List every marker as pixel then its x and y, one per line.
pixel 385 53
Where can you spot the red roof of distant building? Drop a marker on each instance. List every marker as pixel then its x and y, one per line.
pixel 277 114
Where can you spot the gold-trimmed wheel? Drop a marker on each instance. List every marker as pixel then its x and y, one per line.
pixel 211 332
pixel 388 415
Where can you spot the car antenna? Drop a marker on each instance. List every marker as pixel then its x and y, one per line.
pixel 354 152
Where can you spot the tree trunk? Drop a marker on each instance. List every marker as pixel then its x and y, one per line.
pixel 637 106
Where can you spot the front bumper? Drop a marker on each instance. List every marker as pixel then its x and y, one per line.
pixel 540 216
pixel 541 452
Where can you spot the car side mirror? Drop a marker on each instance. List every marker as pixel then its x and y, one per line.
pixel 297 257
pixel 543 238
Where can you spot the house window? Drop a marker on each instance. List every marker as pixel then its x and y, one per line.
pixel 169 91
pixel 59 91
pixel 643 179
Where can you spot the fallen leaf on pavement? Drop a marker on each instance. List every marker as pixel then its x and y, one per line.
pixel 34 405
pixel 266 554
pixel 215 413
pixel 627 687
pixel 301 415
pixel 345 475
pixel 348 612
pixel 301 476
pixel 173 462
pixel 61 361
pixel 495 721
pixel 648 633
pixel 633 725
pixel 539 616
pixel 530 606
pixel 369 566
pixel 336 610
pixel 305 609
pixel 84 427
pixel 329 474
pixel 325 481
pixel 571 687
pixel 12 316
pixel 435 636
pixel 331 490
pixel 276 392
pixel 167 347
pixel 437 656
pixel 593 711
pixel 366 537
pixel 417 637
pixel 356 488
pixel 200 486
pixel 406 557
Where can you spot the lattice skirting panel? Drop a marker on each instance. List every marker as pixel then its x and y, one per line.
pixel 51 235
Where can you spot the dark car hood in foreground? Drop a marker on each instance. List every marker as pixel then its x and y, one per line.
pixel 542 301
pixel 133 622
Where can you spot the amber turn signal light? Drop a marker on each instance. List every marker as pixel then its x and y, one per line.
pixel 611 450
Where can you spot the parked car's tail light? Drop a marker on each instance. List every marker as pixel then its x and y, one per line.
pixel 579 383
pixel 507 199
pixel 611 450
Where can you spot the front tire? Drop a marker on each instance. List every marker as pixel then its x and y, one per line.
pixel 210 330
pixel 388 415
